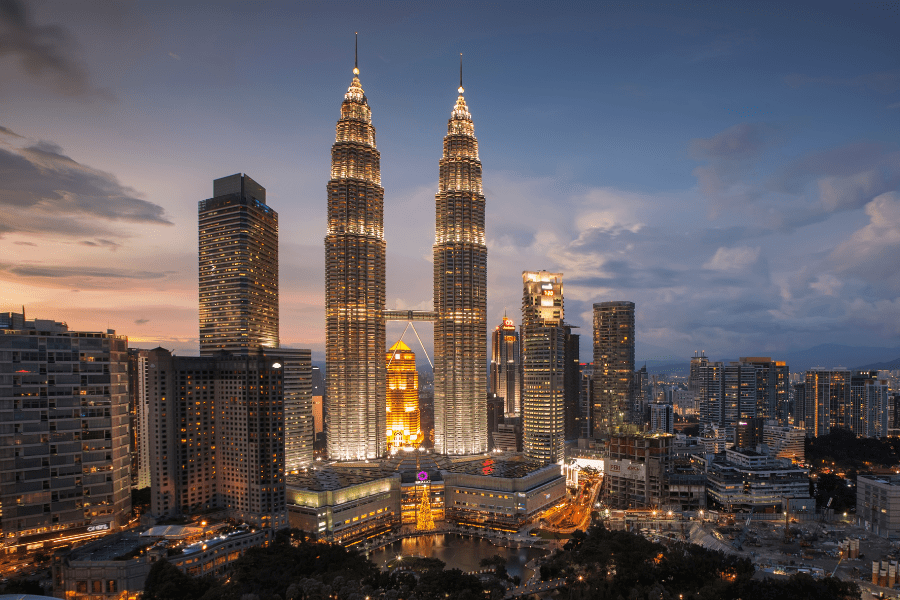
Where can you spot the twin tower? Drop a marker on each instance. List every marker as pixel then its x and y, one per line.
pixel 355 312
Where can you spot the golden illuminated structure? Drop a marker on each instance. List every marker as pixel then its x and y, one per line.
pixel 403 424
pixel 460 293
pixel 544 354
pixel 355 286
pixel 238 268
pixel 506 366
pixel 424 518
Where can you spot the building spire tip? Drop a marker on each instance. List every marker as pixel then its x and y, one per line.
pixel 461 89
pixel 356 55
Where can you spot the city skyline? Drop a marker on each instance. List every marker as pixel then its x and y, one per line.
pixel 746 174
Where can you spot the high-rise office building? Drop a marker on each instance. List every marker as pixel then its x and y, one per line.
pixel 404 428
pixel 139 418
pixel 544 365
pixel 460 292
pixel 586 388
pixel 238 268
pixel 218 435
pixel 613 366
pixel 355 249
pixel 572 383
pixel 64 429
pixel 506 366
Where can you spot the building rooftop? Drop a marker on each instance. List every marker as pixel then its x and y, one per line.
pixel 110 548
pixel 490 467
pixel 334 477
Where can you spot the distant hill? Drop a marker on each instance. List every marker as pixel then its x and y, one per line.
pixel 890 365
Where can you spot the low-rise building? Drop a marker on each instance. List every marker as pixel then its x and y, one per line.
pixel 342 504
pixel 501 494
pixel 751 481
pixel 878 504
pixel 116 567
pixel 785 442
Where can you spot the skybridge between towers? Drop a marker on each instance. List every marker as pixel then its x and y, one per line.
pixel 410 315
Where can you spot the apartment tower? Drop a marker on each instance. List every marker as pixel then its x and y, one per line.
pixel 355 287
pixel 613 366
pixel 460 293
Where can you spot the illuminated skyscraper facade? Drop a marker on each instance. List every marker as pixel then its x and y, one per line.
pixel 544 364
pixel 403 424
pixel 613 367
pixel 238 268
pixel 506 367
pixel 460 293
pixel 355 287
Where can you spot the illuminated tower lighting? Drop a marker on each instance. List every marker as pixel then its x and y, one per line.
pixel 544 361
pixel 403 424
pixel 460 292
pixel 355 286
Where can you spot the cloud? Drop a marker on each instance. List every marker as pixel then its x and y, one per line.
pixel 740 142
pixel 47 53
pixel 733 259
pixel 100 243
pixel 141 321
pixel 9 132
pixel 25 243
pixel 175 56
pixel 42 190
pixel 883 82
pixel 871 252
pixel 65 272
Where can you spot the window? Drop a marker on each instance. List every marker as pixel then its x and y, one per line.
pixel 97 586
pixel 81 587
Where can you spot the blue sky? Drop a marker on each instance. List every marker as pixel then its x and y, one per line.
pixel 733 168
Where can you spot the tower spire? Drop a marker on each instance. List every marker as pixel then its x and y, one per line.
pixel 461 90
pixel 356 56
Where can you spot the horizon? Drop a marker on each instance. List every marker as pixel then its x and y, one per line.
pixel 730 170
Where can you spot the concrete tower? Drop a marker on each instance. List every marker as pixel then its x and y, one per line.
pixel 460 293
pixel 354 287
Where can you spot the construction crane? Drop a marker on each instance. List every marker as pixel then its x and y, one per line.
pixel 837 565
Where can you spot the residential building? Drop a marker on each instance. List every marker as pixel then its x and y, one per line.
pixel 662 418
pixel 64 426
pixel 785 442
pixel 460 292
pixel 613 367
pixel 217 440
pixel 138 411
pixel 544 365
pixel 827 401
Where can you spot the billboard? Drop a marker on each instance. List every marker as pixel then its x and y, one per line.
pixel 625 468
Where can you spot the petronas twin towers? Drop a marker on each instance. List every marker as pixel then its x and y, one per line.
pixel 355 312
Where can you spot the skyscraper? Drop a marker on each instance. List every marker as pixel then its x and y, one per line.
pixel 572 383
pixel 239 297
pixel 460 292
pixel 544 365
pixel 139 418
pixel 404 429
pixel 827 403
pixel 506 366
pixel 355 287
pixel 65 461
pixel 238 268
pixel 613 366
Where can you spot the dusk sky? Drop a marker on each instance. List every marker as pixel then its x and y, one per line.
pixel 733 168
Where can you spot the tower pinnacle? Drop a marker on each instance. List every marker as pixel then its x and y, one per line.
pixel 356 57
pixel 461 89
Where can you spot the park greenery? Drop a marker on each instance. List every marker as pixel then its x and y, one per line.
pixel 841 450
